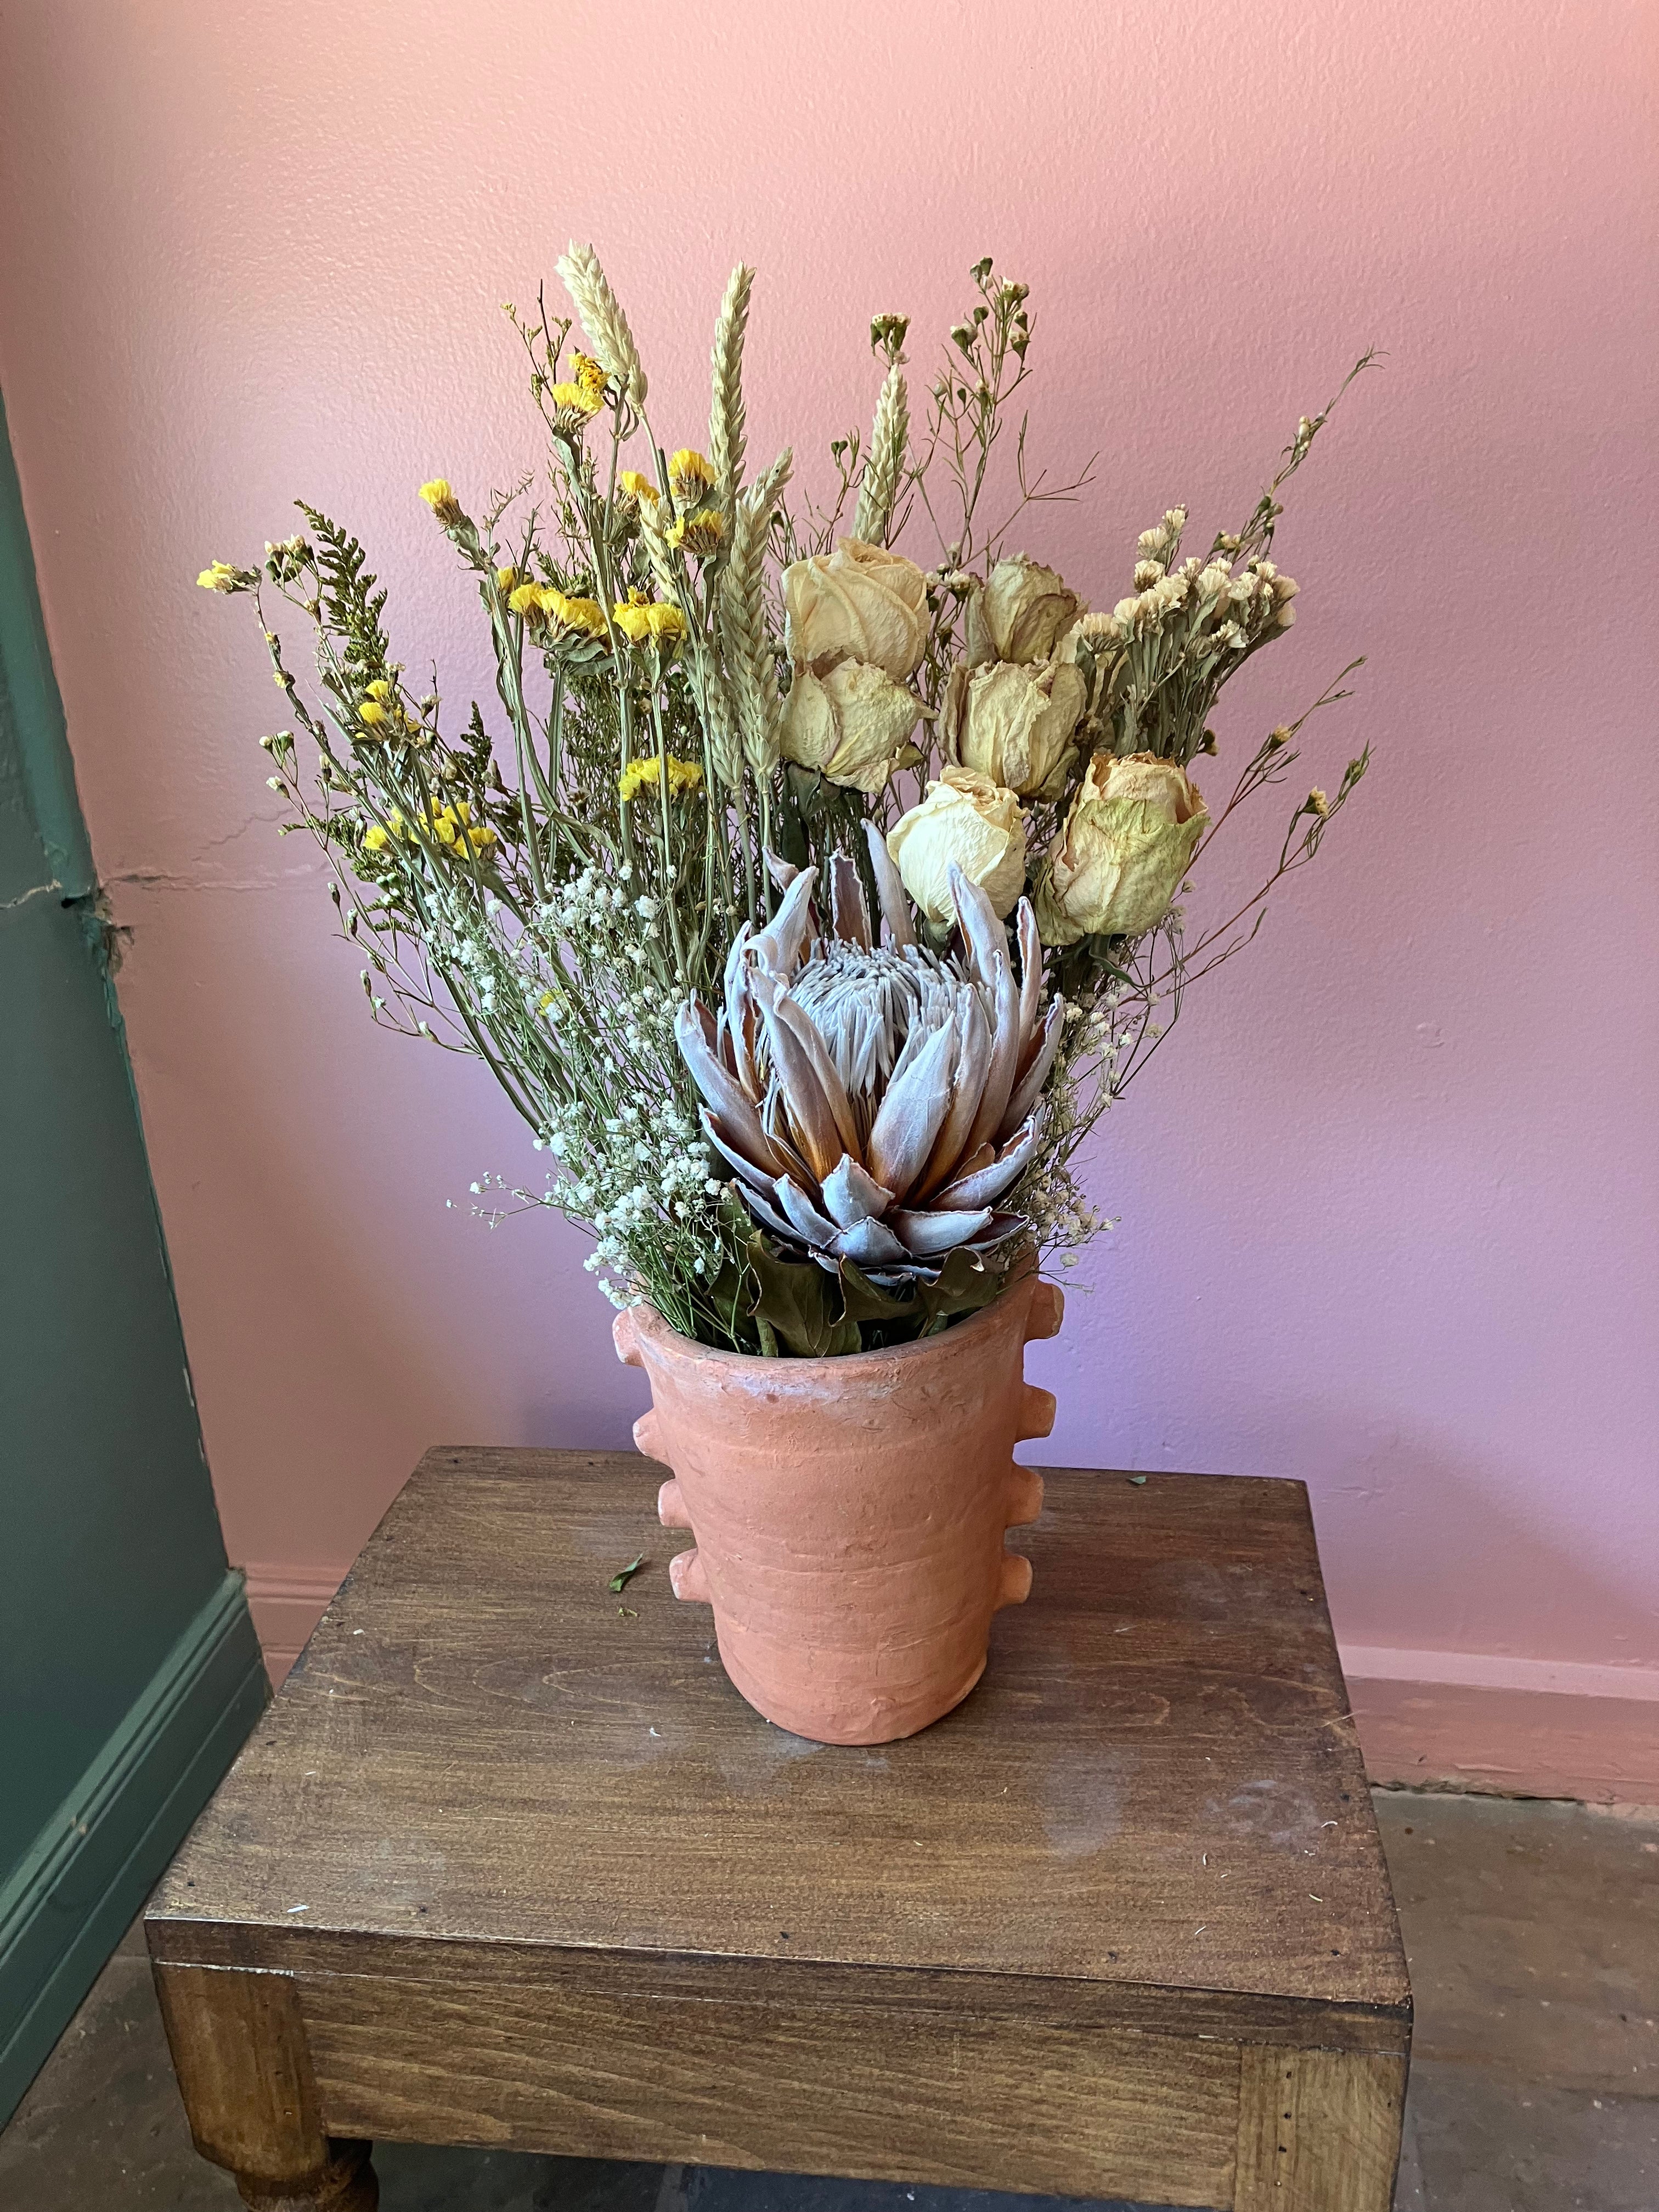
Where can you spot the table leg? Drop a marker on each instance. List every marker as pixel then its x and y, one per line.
pixel 1318 2130
pixel 238 2048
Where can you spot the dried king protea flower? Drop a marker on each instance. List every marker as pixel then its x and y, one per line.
pixel 876 1100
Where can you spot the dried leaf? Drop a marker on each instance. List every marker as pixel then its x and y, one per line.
pixel 863 1300
pixel 964 1284
pixel 623 1575
pixel 794 1302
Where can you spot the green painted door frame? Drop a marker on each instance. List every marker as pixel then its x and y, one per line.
pixel 129 1673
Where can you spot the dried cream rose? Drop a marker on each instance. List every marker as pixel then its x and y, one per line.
pixel 968 819
pixel 1126 843
pixel 1015 724
pixel 859 602
pixel 1021 614
pixel 850 724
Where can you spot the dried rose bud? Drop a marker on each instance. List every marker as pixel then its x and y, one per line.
pixel 1125 847
pixel 967 822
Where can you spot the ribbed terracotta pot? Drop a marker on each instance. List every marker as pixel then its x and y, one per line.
pixel 849 1513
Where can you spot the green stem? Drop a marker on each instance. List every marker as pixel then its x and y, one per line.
pixel 671 872
pixel 742 806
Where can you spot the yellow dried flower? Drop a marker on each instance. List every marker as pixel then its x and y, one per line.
pixel 526 600
pixel 379 689
pixel 638 619
pixel 641 774
pixel 690 478
pixel 504 579
pixel 225 576
pixel 440 498
pixel 452 828
pixel 586 616
pixel 577 396
pixel 633 484
pixel 590 376
pixel 699 533
pixel 371 712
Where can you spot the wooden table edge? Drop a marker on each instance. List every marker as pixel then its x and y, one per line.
pixel 1190 2013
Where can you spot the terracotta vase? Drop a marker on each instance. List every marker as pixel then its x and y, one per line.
pixel 849 1513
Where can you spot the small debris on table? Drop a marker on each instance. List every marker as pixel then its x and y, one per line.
pixel 623 1575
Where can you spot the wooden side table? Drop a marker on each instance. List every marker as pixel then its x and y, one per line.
pixel 508 1862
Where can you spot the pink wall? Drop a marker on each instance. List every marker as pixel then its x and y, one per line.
pixel 1388 1199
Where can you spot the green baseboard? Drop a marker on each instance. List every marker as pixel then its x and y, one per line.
pixel 68 1904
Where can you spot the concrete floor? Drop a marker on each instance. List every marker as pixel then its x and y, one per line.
pixel 1533 1931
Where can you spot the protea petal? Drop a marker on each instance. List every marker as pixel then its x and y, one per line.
pixel 743 1027
pixel 927 1235
pixel 763 1177
pixel 1005 1058
pixel 987 1184
pixel 807 1107
pixel 915 1037
pixel 1031 980
pixel 912 1114
pixel 806 1223
pixel 973 1064
pixel 987 938
pixel 1002 1227
pixel 805 1029
pixel 778 947
pixel 1030 1087
pixel 852 1196
pixel 889 889
pixel 849 913
pixel 870 1245
pixel 774 1115
pixel 734 1108
pixel 765 1212
pixel 737 965
pixel 783 872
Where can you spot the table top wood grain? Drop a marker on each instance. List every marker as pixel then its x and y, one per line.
pixel 1151 1813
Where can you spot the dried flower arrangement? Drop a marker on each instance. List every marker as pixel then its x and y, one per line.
pixel 758 762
